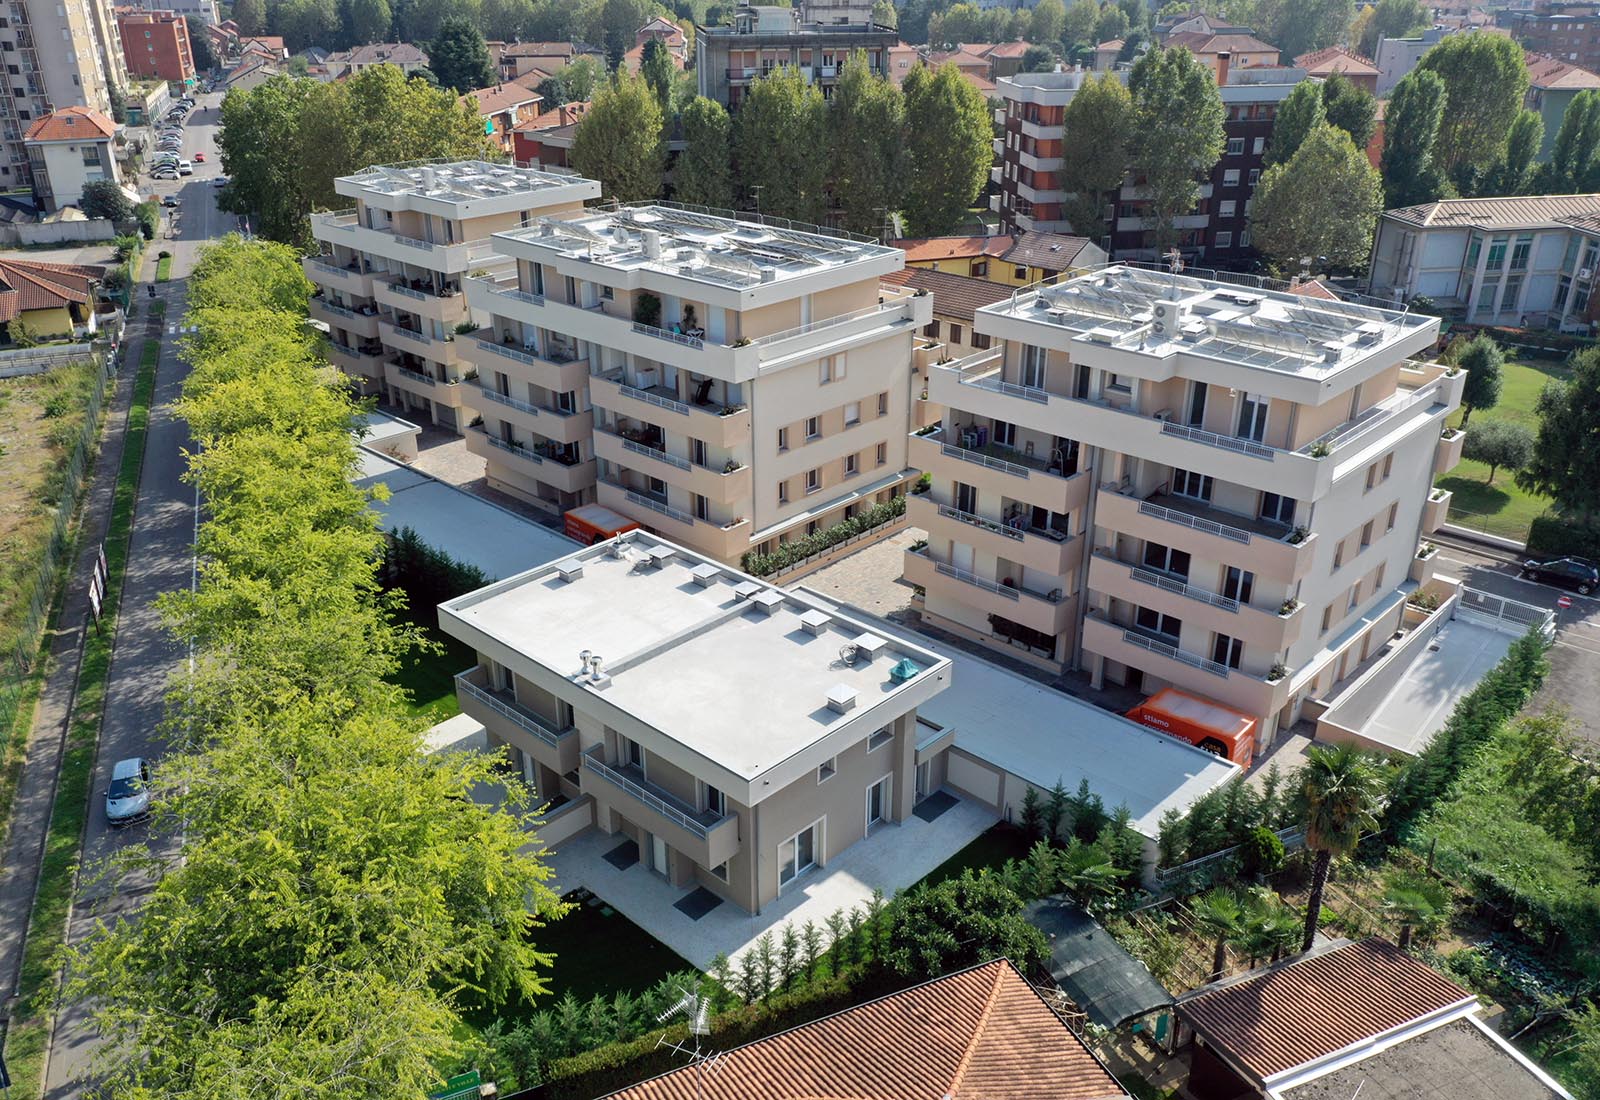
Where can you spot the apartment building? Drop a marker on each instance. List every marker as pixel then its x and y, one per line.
pixel 1167 481
pixel 156 44
pixel 1217 231
pixel 1565 31
pixel 739 734
pixel 390 273
pixel 729 384
pixel 68 149
pixel 811 38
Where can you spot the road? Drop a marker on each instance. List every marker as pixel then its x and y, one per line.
pixel 160 559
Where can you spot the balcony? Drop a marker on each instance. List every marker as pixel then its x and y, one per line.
pixel 562 375
pixel 343 228
pixel 357 362
pixel 1157 657
pixel 719 425
pixel 1448 454
pixel 1436 511
pixel 528 463
pixel 1047 552
pixel 354 322
pixel 324 272
pixel 1000 471
pixel 1263 548
pixel 397 293
pixel 1049 612
pixel 707 838
pixel 1262 629
pixel 556 424
pixel 725 542
pixel 720 485
pixel 514 723
pixel 441 349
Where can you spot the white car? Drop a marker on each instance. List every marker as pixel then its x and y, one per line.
pixel 219 181
pixel 185 168
pixel 128 797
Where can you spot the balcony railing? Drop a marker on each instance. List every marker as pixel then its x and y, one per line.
pixel 509 353
pixel 1196 523
pixel 510 710
pixel 979 521
pixel 1344 435
pixel 1010 592
pixel 1189 591
pixel 830 322
pixel 508 291
pixel 677 816
pixel 1167 649
pixel 655 453
pixel 510 402
pixel 654 505
pixel 411 334
pixel 695 342
pixel 1225 442
pixel 401 288
pixel 513 448
pixel 339 311
pixel 647 397
pixel 414 376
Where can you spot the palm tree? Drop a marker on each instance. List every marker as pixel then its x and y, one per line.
pixel 1219 916
pixel 1274 928
pixel 1416 902
pixel 1341 785
pixel 1087 873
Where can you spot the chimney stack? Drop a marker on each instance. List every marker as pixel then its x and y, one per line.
pixel 1223 58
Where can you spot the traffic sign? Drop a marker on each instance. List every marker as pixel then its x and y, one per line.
pixel 1564 602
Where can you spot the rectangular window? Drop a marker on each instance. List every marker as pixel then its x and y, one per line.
pixel 852 465
pixel 1033 361
pixel 1225 239
pixel 827 769
pixel 931 330
pixel 852 414
pixel 1167 559
pixel 1327 618
pixel 1388 465
pixel 879 739
pixel 883 453
pixel 783 439
pixel 1235 147
pixel 783 492
pixel 1355 595
pixel 883 403
pixel 1366 534
pixel 1230 177
pixel 1226 651
pixel 1021 272
pixel 955 334
pixel 1155 622
pixel 1255 176
pixel 1338 555
pixel 813 428
pixel 1372 476
pixel 798 854
pixel 716 802
pixel 1259 147
pixel 1252 415
pixel 813 480
pixel 980 341
pixel 1227 208
pixel 1238 584
pixel 1278 509
pixel 1394 511
pixel 1186 483
pixel 825 371
pixel 980 268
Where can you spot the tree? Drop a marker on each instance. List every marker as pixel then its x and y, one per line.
pixel 251 16
pixel 1270 928
pixel 1390 19
pixel 1038 59
pixel 866 124
pixel 885 14
pixel 1096 125
pixel 703 175
pixel 369 21
pixel 1572 156
pixel 205 58
pixel 1219 917
pixel 1484 363
pixel 1324 202
pixel 1485 81
pixel 1417 903
pixel 305 23
pixel 1513 175
pixel 949 148
pixel 620 20
pixel 1410 137
pixel 1301 113
pixel 1341 786
pixel 1306 25
pixel 459 58
pixel 1566 450
pixel 960 922
pixel 1350 108
pixel 1047 22
pixel 781 127
pixel 1078 24
pixel 105 199
pixel 1498 443
pixel 506 20
pixel 655 65
pixel 618 141
pixel 1177 135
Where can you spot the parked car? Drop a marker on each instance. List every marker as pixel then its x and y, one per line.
pixel 1579 574
pixel 128 797
pixel 185 168
pixel 170 201
pixel 199 158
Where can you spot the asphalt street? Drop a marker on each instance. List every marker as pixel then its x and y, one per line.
pixel 160 559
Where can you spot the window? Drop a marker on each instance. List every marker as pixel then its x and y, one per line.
pixel 931 329
pixel 1225 239
pixel 883 454
pixel 716 802
pixel 1255 176
pixel 1230 178
pixel 830 369
pixel 813 480
pixel 1238 584
pixel 813 428
pixel 1188 484
pixel 1377 576
pixel 955 334
pixel 1258 148
pixel 1327 618
pixel 827 769
pixel 1227 208
pixel 879 739
pixel 1226 651
pixel 1235 147
pixel 783 439
pixel 1021 272
pixel 1033 361
pixel 980 268
pixel 1372 476
pixel 1279 509
pixel 632 752
pixel 852 465
pixel 1338 555
pixel 798 854
pixel 1388 465
pixel 1355 595
pixel 1157 623
pixel 1252 412
pixel 852 414
pixel 783 492
pixel 1366 534
pixel 1166 559
pixel 1394 510
pixel 883 403
pixel 980 341
pixel 878 802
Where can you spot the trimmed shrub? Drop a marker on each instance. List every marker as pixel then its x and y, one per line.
pixel 1554 536
pixel 427 576
pixel 760 565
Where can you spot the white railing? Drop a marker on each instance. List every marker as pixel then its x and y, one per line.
pixel 1169 584
pixel 979 521
pixel 1225 442
pixel 667 334
pixel 339 311
pixel 829 322
pixel 398 288
pixel 415 376
pixel 410 334
pixel 652 399
pixel 509 353
pixel 514 448
pixel 511 402
pixel 654 801
pixel 516 714
pixel 652 452
pixel 1167 649
pixel 1210 527
pixel 654 505
pixel 976 581
pixel 981 459
pixel 1344 435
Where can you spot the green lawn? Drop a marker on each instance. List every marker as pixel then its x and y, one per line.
pixel 429 678
pixel 997 844
pixel 1502 508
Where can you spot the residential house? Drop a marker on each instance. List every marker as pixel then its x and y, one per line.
pixel 973 67
pixel 1220 52
pixel 267 47
pixel 729 58
pixel 519 59
pixel 1351 1020
pixel 389 276
pixel 155 44
pixel 403 55
pixel 250 72
pixel 1016 259
pixel 546 140
pixel 1005 58
pixel 1178 482
pixel 1523 261
pixel 1107 54
pixel 51 300
pixel 1195 22
pixel 1361 71
pixel 629 680
pixel 1396 57
pixel 956 299
pixel 1567 31
pixel 669 34
pixel 983 1032
pixel 503 108
pixel 730 385
pixel 1552 85
pixel 901 60
pixel 66 150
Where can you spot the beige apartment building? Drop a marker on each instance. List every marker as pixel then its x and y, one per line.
pixel 1168 481
pixel 738 733
pixel 389 277
pixel 728 384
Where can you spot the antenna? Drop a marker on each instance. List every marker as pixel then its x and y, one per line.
pixel 696 1008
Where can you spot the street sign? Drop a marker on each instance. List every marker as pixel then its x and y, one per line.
pixel 1564 602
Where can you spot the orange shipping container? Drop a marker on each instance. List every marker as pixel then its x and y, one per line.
pixel 595 523
pixel 1201 722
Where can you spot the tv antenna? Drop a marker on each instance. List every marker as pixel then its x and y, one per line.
pixel 696 1009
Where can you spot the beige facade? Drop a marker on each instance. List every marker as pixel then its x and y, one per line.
pixel 389 278
pixel 1172 482
pixel 738 733
pixel 729 385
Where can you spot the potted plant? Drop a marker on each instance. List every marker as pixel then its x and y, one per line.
pixel 647 310
pixel 1277 672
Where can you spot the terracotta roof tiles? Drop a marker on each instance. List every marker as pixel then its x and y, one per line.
pixel 1550 73
pixel 1337 59
pixel 923 249
pixel 959 296
pixel 71 124
pixel 29 285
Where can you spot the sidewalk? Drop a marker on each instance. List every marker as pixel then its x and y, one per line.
pixel 36 788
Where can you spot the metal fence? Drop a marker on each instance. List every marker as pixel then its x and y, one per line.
pixel 1511 616
pixel 21 649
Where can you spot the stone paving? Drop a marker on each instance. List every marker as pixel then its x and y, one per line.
pixel 870 578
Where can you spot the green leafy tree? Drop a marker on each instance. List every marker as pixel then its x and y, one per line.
pixel 781 126
pixel 1485 81
pixel 506 20
pixel 369 21
pixel 105 199
pixel 1411 175
pixel 1038 59
pixel 949 148
pixel 620 20
pixel 1350 108
pixel 459 58
pixel 958 923
pixel 703 174
pixel 205 58
pixel 1513 175
pixel 1177 134
pixel 1572 156
pixel 1219 917
pixel 1417 903
pixel 1047 22
pixel 1306 25
pixel 959 23
pixel 867 118
pixel 618 141
pixel 251 16
pixel 1484 363
pixel 305 23
pixel 1111 25
pixel 1341 786
pixel 1301 113
pixel 1078 24
pixel 1270 929
pixel 1499 444
pixel 655 65
pixel 885 14
pixel 1390 19
pixel 1566 449
pixel 1324 202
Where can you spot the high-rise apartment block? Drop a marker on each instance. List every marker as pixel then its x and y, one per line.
pixel 815 39
pixel 155 45
pixel 730 384
pixel 1168 481
pixel 389 279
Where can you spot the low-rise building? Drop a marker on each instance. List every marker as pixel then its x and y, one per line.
pixel 1166 481
pixel 760 39
pixel 66 150
pixel 669 34
pixel 738 733
pixel 1552 84
pixel 503 108
pixel 1009 259
pixel 1221 51
pixel 1563 29
pixel 48 300
pixel 956 300
pixel 545 141
pixel 1396 57
pixel 402 55
pixel 1363 72
pixel 156 44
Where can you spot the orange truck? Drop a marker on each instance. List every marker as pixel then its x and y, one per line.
pixel 595 523
pixel 1201 722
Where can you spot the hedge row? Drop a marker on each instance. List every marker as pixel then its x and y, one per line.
pixel 760 565
pixel 1552 536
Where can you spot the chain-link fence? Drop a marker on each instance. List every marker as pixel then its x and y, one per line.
pixel 17 659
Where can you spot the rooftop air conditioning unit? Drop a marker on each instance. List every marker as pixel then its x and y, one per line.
pixel 1166 318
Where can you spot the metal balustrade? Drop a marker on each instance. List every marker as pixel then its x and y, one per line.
pixel 978 521
pixel 1167 649
pixel 514 448
pixel 510 402
pixel 651 452
pixel 1170 584
pixel 653 399
pixel 415 376
pixel 523 720
pixel 1183 519
pixel 649 798
pixel 508 353
pixel 666 334
pixel 1225 442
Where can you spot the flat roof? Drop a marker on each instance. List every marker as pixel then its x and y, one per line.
pixel 739 671
pixel 697 244
pixel 455 181
pixel 1157 313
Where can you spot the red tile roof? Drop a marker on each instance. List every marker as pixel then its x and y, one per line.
pixel 1009 49
pixel 503 97
pixel 1200 43
pixel 1550 73
pixel 71 124
pixel 983 1033
pixel 954 295
pixel 29 285
pixel 1315 288
pixel 1337 59
pixel 1293 1014
pixel 923 249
